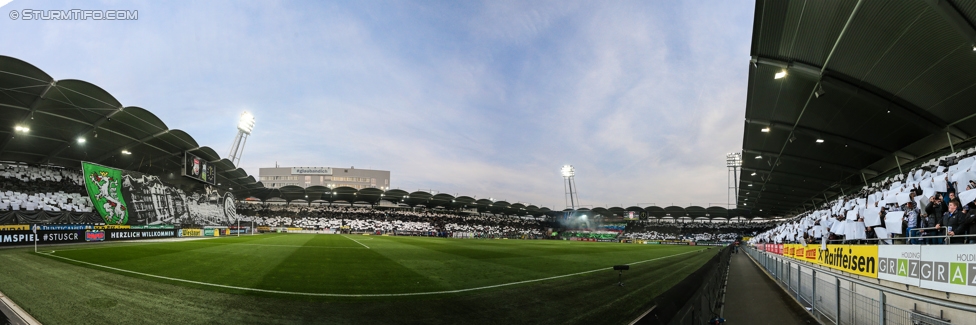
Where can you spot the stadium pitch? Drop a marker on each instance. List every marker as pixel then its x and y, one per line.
pixel 305 278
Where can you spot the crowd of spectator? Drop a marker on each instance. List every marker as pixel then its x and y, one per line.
pixel 455 224
pixel 391 220
pixel 930 204
pixel 697 231
pixel 35 188
pixel 42 188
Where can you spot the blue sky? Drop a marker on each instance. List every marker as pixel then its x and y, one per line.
pixel 486 99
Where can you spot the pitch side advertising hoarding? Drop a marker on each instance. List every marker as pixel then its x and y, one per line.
pixel 26 237
pixel 856 259
pixel 949 268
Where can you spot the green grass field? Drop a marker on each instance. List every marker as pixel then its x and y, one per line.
pixel 296 278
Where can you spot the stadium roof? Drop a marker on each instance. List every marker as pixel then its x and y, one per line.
pixel 870 87
pixel 70 121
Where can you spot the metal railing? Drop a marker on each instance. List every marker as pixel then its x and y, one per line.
pixel 830 298
pixel 937 239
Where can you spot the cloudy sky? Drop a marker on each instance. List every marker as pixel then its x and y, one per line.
pixel 486 99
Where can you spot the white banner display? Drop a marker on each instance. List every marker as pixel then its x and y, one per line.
pixel 872 217
pixel 950 268
pixel 893 221
pixel 900 263
pixel 940 185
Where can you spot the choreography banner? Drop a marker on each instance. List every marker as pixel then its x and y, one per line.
pixel 123 197
pixel 104 185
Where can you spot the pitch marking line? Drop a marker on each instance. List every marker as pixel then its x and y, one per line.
pixel 357 242
pixel 315 294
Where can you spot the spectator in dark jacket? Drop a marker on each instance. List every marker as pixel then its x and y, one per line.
pixel 953 220
pixel 970 225
pixel 932 218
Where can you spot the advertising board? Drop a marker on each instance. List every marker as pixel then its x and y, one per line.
pixel 950 268
pixel 26 237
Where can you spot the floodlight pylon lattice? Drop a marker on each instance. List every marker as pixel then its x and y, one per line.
pixel 733 161
pixel 569 181
pixel 244 128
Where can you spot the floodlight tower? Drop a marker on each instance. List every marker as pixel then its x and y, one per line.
pixel 733 160
pixel 569 177
pixel 244 128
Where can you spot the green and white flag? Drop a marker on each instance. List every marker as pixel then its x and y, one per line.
pixel 104 186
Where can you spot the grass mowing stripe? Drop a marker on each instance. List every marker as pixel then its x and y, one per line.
pixel 357 242
pixel 357 295
pixel 299 246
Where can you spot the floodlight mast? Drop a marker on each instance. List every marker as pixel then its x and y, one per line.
pixel 244 127
pixel 569 177
pixel 733 161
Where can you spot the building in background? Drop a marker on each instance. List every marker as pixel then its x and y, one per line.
pixel 332 177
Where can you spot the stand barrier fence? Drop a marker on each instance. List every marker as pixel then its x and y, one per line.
pixel 830 298
pixel 702 294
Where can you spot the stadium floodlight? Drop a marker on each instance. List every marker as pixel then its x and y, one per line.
pixel 759 157
pixel 764 130
pixel 569 177
pixel 568 171
pixel 246 123
pixel 23 129
pixel 820 140
pixel 81 140
pixel 753 174
pixel 126 152
pixel 244 127
pixel 780 75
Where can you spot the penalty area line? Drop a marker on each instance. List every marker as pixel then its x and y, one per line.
pixel 315 294
pixel 357 242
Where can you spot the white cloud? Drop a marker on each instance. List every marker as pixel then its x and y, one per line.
pixel 644 98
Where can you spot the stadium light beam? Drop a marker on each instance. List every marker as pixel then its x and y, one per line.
pixel 568 171
pixel 23 129
pixel 244 127
pixel 246 122
pixel 81 140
